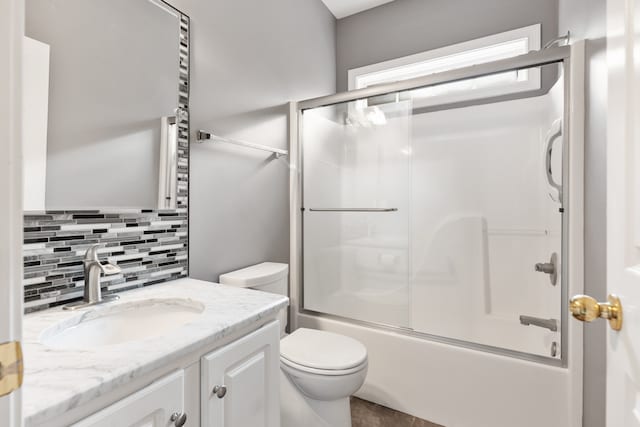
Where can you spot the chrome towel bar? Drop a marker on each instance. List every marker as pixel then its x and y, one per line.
pixel 353 209
pixel 202 136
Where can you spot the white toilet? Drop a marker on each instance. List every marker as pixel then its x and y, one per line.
pixel 319 370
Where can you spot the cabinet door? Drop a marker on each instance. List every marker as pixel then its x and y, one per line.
pixel 248 369
pixel 150 407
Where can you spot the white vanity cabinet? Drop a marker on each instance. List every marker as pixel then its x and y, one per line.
pixel 239 382
pixel 153 406
pixel 245 371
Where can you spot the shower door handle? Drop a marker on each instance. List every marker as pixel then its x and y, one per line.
pixel 554 133
pixel 353 209
pixel 550 324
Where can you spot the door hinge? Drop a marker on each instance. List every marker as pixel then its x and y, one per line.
pixel 11 367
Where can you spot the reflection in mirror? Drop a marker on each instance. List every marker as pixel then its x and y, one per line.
pixel 101 87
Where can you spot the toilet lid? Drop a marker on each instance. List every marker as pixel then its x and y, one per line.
pixel 322 350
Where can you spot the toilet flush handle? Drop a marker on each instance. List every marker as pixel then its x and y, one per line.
pixel 220 391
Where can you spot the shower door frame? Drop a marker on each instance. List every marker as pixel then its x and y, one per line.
pixel 572 59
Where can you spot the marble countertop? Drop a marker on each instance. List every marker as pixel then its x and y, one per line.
pixel 57 381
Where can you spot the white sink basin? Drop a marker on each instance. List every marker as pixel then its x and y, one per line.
pixel 118 323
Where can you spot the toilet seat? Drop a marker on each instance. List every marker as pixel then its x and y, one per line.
pixel 322 352
pixel 326 372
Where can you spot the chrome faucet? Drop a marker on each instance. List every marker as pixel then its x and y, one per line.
pixel 92 291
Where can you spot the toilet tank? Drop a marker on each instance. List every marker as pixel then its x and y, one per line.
pixel 267 277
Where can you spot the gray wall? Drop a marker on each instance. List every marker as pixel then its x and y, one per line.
pixel 405 27
pixel 249 58
pixel 586 19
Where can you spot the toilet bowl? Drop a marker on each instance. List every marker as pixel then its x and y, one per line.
pixel 319 370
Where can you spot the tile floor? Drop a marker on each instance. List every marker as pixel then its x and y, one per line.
pixel 368 414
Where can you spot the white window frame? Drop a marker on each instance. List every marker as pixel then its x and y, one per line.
pixel 458 55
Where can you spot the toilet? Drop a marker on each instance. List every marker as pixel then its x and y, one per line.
pixel 319 370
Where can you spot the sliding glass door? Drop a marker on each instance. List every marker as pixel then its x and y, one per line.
pixel 356 201
pixel 440 211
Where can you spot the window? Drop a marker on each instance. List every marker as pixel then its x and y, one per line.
pixel 482 50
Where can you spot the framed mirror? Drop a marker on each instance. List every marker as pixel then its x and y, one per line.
pixel 106 121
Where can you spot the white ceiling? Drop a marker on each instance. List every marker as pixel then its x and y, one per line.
pixel 342 8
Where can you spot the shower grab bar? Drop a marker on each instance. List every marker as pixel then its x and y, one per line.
pixel 554 133
pixel 551 324
pixel 353 209
pixel 202 136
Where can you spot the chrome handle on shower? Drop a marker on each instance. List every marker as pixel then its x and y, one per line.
pixel 550 268
pixel 545 267
pixel 550 324
pixel 554 133
pixel 353 209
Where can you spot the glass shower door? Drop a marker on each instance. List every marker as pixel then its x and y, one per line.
pixel 439 210
pixel 356 204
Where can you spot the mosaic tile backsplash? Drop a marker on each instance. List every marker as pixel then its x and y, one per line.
pixel 149 246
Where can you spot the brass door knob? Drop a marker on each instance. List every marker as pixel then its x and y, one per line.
pixel 587 309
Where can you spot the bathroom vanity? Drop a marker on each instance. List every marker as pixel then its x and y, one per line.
pixel 186 352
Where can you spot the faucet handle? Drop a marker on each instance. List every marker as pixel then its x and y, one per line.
pixel 109 269
pixel 91 257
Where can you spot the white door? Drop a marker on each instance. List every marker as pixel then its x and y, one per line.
pixel 159 405
pixel 623 210
pixel 240 382
pixel 11 33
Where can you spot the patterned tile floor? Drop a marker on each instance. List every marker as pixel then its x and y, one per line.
pixel 368 414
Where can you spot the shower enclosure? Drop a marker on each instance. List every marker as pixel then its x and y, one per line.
pixel 440 209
